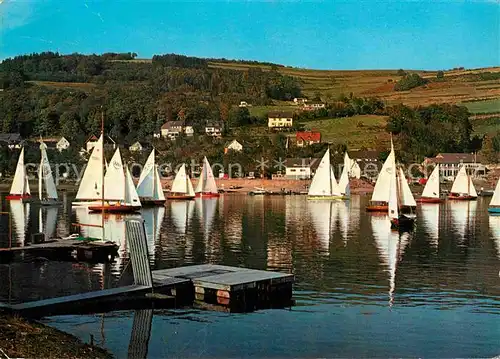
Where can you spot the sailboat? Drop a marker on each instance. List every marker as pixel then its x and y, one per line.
pixel 90 188
pixel 344 186
pixel 431 193
pixel 119 189
pixel 324 185
pixel 149 187
pixel 494 206
pixel 182 188
pixel 495 231
pixel 399 199
pixel 206 186
pixel 380 195
pixel 47 192
pixel 20 188
pixel 463 189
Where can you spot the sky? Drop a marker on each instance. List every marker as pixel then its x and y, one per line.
pixel 333 34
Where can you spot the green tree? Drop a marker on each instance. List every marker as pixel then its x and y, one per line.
pixel 440 75
pixel 488 150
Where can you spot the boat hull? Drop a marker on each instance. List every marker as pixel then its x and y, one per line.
pixel 180 197
pixel 15 197
pixel 429 200
pixel 461 198
pixel 338 198
pixel 117 208
pixel 151 202
pixel 494 210
pixel 378 208
pixel 207 195
pixel 402 224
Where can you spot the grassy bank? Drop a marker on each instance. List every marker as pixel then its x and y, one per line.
pixel 487 106
pixel 20 338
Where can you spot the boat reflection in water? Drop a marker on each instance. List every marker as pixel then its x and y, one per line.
pixel 391 246
pixel 495 231
pixel 430 214
pixel 462 217
pixel 20 213
pixel 179 245
pixel 206 208
pixel 153 220
pixel 47 224
pixel 323 218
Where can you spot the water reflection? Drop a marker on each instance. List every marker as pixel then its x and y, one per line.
pixel 430 218
pixel 20 213
pixel 462 216
pixel 495 231
pixel 323 217
pixel 47 221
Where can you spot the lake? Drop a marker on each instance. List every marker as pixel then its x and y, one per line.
pixel 361 290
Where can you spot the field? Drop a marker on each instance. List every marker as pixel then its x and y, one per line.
pixel 488 106
pixel 260 111
pixel 356 132
pixel 488 125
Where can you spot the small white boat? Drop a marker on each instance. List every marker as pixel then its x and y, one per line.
pixel 324 185
pixel 90 188
pixel 494 206
pixel 20 188
pixel 149 186
pixel 206 186
pixel 463 189
pixel 380 196
pixel 47 193
pixel 432 191
pixel 182 188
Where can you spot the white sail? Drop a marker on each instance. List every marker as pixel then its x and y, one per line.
pixel 344 181
pixel 158 193
pixel 91 182
pixel 321 183
pixel 206 182
pixel 131 196
pixel 355 170
pixel 45 173
pixel 495 200
pixel 393 196
pixel 114 180
pixel 336 191
pixel 407 198
pixel 431 189
pixel 146 184
pixel 463 184
pixel 381 190
pixel 20 183
pixel 182 183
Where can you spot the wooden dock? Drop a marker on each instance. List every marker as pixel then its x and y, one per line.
pixel 63 249
pixel 208 286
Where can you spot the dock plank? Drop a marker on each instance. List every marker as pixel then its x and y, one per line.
pixel 76 298
pixel 233 281
pixel 198 271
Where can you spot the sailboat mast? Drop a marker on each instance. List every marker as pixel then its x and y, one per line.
pixel 102 174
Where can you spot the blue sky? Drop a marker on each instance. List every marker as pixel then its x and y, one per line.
pixel 363 34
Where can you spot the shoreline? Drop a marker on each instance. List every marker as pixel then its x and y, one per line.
pixel 22 338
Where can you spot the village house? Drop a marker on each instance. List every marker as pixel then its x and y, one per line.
pixel 450 163
pixel 59 144
pixel 138 147
pixel 368 163
pixel 312 106
pixel 299 100
pixel 172 129
pixel 233 146
pixel 92 140
pixel 188 130
pixel 244 104
pixel 301 168
pixel 213 129
pixel 307 138
pixel 62 144
pixel 279 120
pixel 11 140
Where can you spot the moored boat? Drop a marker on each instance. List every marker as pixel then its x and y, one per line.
pixel 20 188
pixel 149 186
pixel 206 187
pixel 324 185
pixel 47 193
pixel 463 189
pixel 494 206
pixel 380 196
pixel 399 198
pixel 182 188
pixel 431 192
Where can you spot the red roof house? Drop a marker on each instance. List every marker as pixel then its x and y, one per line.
pixel 306 138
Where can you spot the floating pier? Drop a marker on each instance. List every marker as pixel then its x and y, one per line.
pixel 208 286
pixel 63 249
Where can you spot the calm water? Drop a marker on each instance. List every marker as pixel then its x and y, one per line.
pixel 361 290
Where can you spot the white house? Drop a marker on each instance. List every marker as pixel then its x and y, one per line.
pixel 301 168
pixel 62 144
pixel 91 142
pixel 278 120
pixel 189 130
pixel 213 129
pixel 244 104
pixel 136 147
pixel 233 146
pixel 171 129
pixel 450 163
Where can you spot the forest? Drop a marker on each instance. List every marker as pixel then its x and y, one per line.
pixel 50 94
